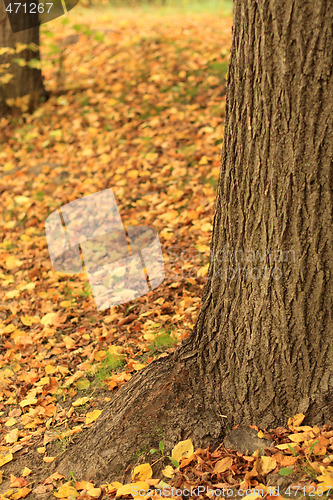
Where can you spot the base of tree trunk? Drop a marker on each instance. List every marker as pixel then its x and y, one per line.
pixel 160 403
pixel 170 400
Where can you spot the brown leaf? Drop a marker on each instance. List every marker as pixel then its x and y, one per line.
pixel 128 319
pixel 223 465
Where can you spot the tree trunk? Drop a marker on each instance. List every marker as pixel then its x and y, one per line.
pixel 264 335
pixel 261 350
pixel 27 81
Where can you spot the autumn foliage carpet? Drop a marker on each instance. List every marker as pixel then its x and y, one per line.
pixel 137 105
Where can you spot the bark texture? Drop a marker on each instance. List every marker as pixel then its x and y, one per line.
pixel 261 350
pixel 161 402
pixel 26 80
pixel 265 330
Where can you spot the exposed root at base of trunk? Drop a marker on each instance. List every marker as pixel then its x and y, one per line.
pixel 160 400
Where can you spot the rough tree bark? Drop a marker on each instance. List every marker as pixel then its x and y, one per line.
pixel 26 80
pixel 261 350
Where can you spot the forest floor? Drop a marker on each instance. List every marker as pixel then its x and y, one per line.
pixel 137 104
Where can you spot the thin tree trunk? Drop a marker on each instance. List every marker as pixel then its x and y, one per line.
pixel 261 350
pixel 26 80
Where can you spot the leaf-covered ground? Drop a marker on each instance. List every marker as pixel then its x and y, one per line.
pixel 137 105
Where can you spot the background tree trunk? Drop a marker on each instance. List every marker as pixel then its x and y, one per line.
pixel 261 350
pixel 26 80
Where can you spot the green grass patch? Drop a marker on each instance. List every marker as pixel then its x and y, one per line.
pixel 164 339
pixel 109 364
pixel 212 181
pixel 219 68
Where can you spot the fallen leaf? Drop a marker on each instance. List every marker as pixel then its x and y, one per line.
pixel 168 471
pixel 223 465
pixel 182 449
pixel 266 464
pixel 8 457
pixel 81 401
pixel 92 416
pixel 142 472
pixel 65 491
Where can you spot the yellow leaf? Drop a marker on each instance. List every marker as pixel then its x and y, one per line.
pixel 68 341
pixel 285 446
pixel 26 471
pixel 10 422
pixel 133 174
pixel 12 262
pixel 20 47
pixel 326 478
pixel 142 472
pixel 203 161
pixel 63 370
pixel 89 486
pixel 149 336
pixel 132 488
pixel 99 355
pixel 29 401
pixel 50 369
pixel 82 384
pixel 298 438
pixel 6 50
pixel 80 401
pixel 112 487
pixel 12 294
pixel 295 421
pixel 92 416
pixel 326 481
pixel 182 449
pixel 94 492
pixel 7 372
pixel 125 490
pixel 83 485
pixel 43 381
pixel 48 318
pixel 4 79
pixel 28 320
pixel 305 428
pixel 21 493
pixel 5 459
pixel 138 366
pixel 203 270
pixel 111 101
pixel 65 303
pixel 169 216
pixel 72 378
pixel 65 491
pixel 41 449
pixel 29 286
pixel 260 434
pixel 202 248
pixel 206 228
pixel 49 460
pixel 267 464
pixel 12 436
pixel 168 471
pixel 166 234
pixel 21 200
pixel 115 349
